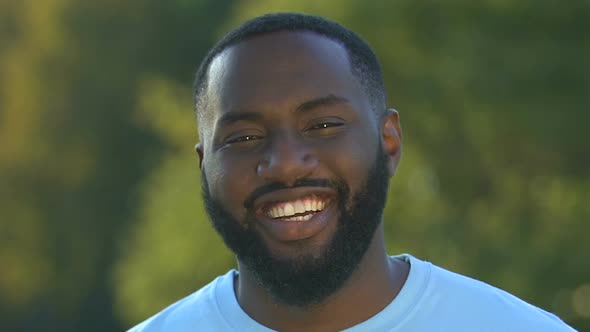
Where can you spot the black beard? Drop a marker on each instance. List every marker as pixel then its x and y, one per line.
pixel 309 279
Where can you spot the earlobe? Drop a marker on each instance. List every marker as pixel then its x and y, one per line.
pixel 199 149
pixel 392 139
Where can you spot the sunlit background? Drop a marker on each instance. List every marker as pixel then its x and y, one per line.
pixel 101 222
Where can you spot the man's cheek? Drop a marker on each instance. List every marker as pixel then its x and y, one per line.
pixel 352 171
pixel 232 196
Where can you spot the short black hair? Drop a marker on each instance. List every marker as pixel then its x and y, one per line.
pixel 364 63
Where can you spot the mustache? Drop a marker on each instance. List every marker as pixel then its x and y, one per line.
pixel 275 186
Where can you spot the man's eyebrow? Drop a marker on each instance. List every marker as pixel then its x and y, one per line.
pixel 321 101
pixel 231 117
pixel 234 116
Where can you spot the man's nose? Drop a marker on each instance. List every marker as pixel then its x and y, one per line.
pixel 287 160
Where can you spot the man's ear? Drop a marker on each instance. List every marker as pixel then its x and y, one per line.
pixel 199 149
pixel 392 139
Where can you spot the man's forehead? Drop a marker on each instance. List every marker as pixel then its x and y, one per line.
pixel 276 51
pixel 278 42
pixel 274 64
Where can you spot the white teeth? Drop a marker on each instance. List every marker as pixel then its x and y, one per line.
pixel 287 210
pixel 300 218
pixel 299 207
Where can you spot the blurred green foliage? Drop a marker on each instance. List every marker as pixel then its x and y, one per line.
pixel 101 222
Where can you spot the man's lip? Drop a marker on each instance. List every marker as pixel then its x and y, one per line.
pixel 291 194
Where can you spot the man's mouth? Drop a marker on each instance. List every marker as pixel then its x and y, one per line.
pixel 301 209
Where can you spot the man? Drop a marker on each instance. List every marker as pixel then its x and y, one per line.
pixel 296 151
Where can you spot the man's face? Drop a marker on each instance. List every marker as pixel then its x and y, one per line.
pixel 294 172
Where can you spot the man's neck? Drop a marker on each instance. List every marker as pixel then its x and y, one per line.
pixel 373 285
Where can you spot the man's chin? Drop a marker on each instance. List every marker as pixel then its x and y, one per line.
pixel 298 258
pixel 294 253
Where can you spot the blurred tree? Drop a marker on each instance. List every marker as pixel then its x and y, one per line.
pixel 72 151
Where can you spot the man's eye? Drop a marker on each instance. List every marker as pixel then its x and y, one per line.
pixel 325 125
pixel 243 139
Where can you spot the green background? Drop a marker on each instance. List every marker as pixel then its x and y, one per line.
pixel 101 222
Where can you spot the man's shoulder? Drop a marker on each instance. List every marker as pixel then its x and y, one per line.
pixel 477 302
pixel 194 310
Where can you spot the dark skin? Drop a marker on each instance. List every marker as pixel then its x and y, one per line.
pixel 283 107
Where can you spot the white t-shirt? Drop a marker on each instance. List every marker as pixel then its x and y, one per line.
pixel 432 299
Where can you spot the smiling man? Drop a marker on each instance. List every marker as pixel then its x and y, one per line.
pixel 296 150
